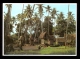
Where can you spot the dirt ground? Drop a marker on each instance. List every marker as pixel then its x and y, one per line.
pixel 28 47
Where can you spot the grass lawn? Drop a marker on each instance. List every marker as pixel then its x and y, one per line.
pixel 58 51
pixel 46 51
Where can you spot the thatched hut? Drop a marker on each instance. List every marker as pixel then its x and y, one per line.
pixel 46 39
pixel 42 36
pixel 62 40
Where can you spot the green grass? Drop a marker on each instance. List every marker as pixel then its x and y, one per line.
pixel 25 52
pixel 47 51
pixel 57 50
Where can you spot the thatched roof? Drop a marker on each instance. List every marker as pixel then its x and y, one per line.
pixel 42 34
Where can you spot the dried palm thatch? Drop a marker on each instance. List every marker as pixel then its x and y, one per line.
pixel 42 35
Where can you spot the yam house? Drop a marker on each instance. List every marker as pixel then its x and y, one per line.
pixel 46 39
pixel 60 40
pixel 71 38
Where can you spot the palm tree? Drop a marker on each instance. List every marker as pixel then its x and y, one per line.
pixel 36 21
pixel 9 6
pixel 70 20
pixel 53 13
pixel 7 24
pixel 5 31
pixel 28 13
pixel 40 10
pixel 22 19
pixel 67 27
pixel 19 19
pixel 48 8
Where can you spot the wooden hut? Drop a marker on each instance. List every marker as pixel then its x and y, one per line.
pixel 60 40
pixel 42 36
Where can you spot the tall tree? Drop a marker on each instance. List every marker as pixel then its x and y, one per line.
pixel 67 26
pixel 40 10
pixel 19 25
pixel 71 23
pixel 53 14
pixel 22 18
pixel 9 6
pixel 48 8
pixel 45 25
pixel 7 24
pixel 36 21
pixel 28 15
pixel 61 24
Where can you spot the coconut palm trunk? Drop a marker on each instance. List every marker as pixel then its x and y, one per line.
pixel 22 18
pixel 9 17
pixel 54 25
pixel 67 28
pixel 25 32
pixel 7 24
pixel 41 24
pixel 20 29
pixel 48 10
pixel 48 24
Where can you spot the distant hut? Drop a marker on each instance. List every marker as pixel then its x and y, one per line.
pixel 70 38
pixel 45 39
pixel 60 40
pixel 41 37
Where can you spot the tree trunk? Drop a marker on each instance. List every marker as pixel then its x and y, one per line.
pixel 5 34
pixel 25 37
pixel 67 27
pixel 25 33
pixel 41 26
pixel 66 38
pixel 54 26
pixel 35 31
pixel 19 32
pixel 48 24
pixel 7 27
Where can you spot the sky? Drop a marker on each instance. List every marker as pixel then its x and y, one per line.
pixel 61 7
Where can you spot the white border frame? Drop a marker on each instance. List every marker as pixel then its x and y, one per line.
pixel 36 55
